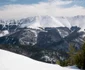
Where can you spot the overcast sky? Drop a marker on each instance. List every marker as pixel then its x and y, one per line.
pixel 10 9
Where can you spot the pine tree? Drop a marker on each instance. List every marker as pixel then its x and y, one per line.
pixel 80 58
pixel 71 53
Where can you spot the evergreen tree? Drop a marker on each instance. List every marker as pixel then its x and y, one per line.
pixel 80 58
pixel 71 53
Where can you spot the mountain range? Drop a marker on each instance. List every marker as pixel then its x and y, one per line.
pixel 35 29
pixel 45 32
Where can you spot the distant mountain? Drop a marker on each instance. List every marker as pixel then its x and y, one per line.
pixel 48 36
pixel 47 21
pixel 44 31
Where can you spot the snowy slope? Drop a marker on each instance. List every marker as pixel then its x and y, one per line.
pixel 45 21
pixel 11 61
pixel 36 22
pixel 77 21
pixel 64 21
pixel 50 21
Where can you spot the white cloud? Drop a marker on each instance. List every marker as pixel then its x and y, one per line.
pixel 59 2
pixel 51 9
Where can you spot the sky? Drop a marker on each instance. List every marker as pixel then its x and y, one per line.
pixel 14 9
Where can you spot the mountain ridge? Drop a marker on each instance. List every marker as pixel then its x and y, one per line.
pixel 47 21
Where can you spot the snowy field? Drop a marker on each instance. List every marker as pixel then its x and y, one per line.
pixel 12 61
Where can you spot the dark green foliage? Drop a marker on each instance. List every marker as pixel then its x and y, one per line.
pixel 75 57
pixel 72 52
pixel 64 63
pixel 80 58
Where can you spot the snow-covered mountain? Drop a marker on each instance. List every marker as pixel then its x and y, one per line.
pixel 34 25
pixel 11 61
pixel 47 21
pixel 50 21
pixel 46 32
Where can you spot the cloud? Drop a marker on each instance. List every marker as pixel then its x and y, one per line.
pixel 40 9
pixel 59 2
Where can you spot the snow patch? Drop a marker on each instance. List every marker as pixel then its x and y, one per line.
pixel 3 33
